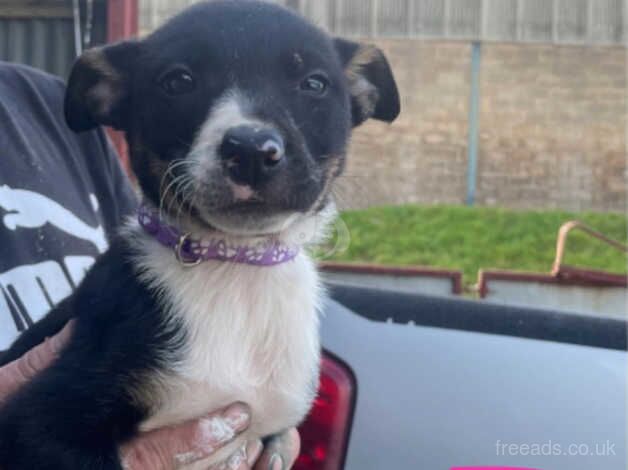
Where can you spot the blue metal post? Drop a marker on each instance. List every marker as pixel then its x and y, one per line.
pixel 474 121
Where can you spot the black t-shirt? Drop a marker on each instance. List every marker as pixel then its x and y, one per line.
pixel 61 194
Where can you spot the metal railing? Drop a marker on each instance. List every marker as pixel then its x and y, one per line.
pixel 569 227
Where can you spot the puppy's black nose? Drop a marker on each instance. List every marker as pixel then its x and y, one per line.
pixel 252 155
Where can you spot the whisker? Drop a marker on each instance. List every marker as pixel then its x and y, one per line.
pixel 184 143
pixel 174 183
pixel 183 195
pixel 171 167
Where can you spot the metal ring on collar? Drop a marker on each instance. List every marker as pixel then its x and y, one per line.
pixel 178 252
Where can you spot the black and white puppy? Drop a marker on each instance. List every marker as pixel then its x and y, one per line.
pixel 238 116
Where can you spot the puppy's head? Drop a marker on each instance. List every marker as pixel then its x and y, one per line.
pixel 236 112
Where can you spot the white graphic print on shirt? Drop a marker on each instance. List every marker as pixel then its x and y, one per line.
pixel 29 291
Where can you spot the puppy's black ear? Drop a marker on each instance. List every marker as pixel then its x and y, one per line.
pixel 372 86
pixel 99 87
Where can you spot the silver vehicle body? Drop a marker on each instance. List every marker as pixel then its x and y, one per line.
pixel 438 397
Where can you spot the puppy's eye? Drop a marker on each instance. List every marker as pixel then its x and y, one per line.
pixel 177 82
pixel 316 84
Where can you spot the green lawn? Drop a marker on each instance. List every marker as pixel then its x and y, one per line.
pixel 472 238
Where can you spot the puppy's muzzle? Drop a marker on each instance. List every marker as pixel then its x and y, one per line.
pixel 252 156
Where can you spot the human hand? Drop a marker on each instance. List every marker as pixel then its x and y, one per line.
pixel 173 447
pixel 178 446
pixel 17 373
pixel 280 454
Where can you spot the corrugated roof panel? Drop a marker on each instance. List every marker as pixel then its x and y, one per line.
pixel 607 21
pixel 4 39
pixel 63 53
pixel 353 17
pixel 17 50
pixel 40 43
pixel 320 13
pixel 392 18
pixel 429 17
pixel 47 44
pixel 465 18
pixel 536 20
pixel 571 21
pixel 549 21
pixel 501 20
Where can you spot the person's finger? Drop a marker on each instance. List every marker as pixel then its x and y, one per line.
pixel 253 451
pixel 281 453
pixel 243 458
pixel 237 461
pixel 178 446
pixel 20 371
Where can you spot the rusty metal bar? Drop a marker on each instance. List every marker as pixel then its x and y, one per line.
pixel 566 229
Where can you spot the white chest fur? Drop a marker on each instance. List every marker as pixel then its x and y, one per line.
pixel 251 336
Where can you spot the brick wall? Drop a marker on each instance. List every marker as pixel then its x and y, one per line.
pixel 552 122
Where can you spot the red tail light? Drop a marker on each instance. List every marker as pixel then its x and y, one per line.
pixel 325 432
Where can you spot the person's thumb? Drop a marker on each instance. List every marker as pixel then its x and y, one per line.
pixel 17 373
pixel 182 445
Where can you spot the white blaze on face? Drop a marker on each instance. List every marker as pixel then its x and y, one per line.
pixel 227 113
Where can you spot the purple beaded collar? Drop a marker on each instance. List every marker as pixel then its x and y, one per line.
pixel 191 252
